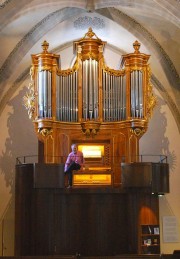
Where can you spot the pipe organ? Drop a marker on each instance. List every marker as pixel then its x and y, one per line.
pixel 114 97
pixel 66 97
pixel 91 103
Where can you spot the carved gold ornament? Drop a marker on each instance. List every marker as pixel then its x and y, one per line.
pixel 45 46
pixel 151 99
pixel 138 131
pixel 45 132
pixel 90 34
pixel 29 98
pixel 136 46
pixel 90 128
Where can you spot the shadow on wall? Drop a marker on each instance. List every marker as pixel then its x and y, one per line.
pixel 21 140
pixel 155 141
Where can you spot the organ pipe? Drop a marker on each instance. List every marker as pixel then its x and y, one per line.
pixel 49 95
pixel 40 95
pixel 44 94
pixel 89 99
pixel 90 91
pixel 136 94
pixel 114 89
pixel 66 96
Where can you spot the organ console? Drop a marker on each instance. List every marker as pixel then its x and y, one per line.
pixel 90 103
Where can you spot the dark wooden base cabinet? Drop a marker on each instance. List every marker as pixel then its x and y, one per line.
pixel 91 221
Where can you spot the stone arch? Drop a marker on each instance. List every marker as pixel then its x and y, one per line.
pixel 147 38
pixel 27 42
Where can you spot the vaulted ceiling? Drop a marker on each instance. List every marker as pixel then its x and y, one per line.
pixel 25 24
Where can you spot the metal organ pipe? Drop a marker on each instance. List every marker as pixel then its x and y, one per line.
pixel 57 99
pixel 110 99
pixel 118 97
pixel 63 100
pixel 90 89
pixel 109 96
pixel 90 108
pixel 124 96
pixel 40 95
pixel 95 88
pixel 104 94
pixel 133 99
pixel 71 107
pixel 140 95
pixel 121 100
pixel 66 96
pixel 85 89
pixel 136 94
pixel 68 107
pixel 49 95
pixel 76 96
pixel 72 98
pixel 114 97
pixel 44 94
pixel 114 94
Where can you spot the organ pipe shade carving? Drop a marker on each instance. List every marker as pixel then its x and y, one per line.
pixel 90 93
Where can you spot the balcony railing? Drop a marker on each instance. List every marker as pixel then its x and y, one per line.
pixel 140 158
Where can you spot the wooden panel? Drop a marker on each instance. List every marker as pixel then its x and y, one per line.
pixel 136 174
pixel 23 209
pixel 42 222
pixel 91 224
pixel 90 221
pixel 154 176
pixel 48 175
pixel 119 149
pixel 160 177
pixel 133 256
pixel 133 148
pixel 56 221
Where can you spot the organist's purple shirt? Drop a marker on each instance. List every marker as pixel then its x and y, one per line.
pixel 77 158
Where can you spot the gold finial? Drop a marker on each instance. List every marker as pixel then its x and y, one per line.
pixel 136 46
pixel 45 46
pixel 90 34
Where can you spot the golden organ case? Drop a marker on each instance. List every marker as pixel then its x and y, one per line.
pixel 91 104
